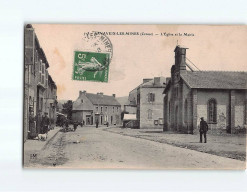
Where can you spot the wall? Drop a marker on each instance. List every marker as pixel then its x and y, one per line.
pixel 108 112
pixel 156 107
pixel 222 98
pixel 130 109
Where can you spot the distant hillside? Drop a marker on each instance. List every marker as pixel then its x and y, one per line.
pixel 123 101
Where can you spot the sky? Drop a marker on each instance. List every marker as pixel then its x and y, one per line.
pixel 136 57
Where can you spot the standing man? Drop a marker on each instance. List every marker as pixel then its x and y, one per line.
pixel 32 129
pixel 203 130
pixel 97 123
pixel 45 123
pixel 75 124
pixel 38 122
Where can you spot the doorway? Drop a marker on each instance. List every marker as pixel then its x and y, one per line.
pixel 88 119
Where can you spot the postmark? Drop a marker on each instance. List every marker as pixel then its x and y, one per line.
pixel 98 42
pixel 91 66
pixel 91 62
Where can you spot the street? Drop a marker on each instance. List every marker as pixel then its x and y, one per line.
pixel 89 147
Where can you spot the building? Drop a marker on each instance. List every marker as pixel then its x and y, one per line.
pixel 40 91
pixel 147 99
pixel 96 107
pixel 220 97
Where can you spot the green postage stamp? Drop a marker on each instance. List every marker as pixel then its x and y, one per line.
pixel 91 66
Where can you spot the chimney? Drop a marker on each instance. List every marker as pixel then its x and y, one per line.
pixel 180 58
pixel 146 80
pixel 100 93
pixel 82 92
pixel 114 95
pixel 156 80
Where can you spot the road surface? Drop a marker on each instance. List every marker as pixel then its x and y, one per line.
pixel 89 147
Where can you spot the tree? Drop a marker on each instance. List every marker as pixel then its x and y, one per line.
pixel 67 109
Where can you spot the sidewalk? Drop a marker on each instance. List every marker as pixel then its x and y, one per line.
pixel 227 145
pixel 31 145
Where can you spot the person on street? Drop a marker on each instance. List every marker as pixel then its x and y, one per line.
pixel 75 125
pixel 203 130
pixel 45 123
pixel 32 129
pixel 97 123
pixel 66 125
pixel 38 122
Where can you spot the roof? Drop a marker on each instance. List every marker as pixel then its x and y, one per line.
pixel 102 99
pixel 150 84
pixel 215 79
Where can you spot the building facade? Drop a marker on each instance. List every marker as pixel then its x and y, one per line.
pixel 217 96
pixel 148 100
pixel 96 107
pixel 40 91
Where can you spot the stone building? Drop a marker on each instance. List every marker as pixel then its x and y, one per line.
pixel 40 91
pixel 96 107
pixel 220 97
pixel 148 100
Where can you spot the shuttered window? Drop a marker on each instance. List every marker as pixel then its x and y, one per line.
pixel 212 111
pixel 151 97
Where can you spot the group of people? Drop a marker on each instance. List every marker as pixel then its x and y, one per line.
pixel 39 124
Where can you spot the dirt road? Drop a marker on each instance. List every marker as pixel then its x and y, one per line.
pixel 89 147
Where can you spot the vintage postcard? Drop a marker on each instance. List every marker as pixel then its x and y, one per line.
pixel 135 96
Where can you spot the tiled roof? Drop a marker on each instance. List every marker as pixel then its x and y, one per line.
pixel 215 79
pixel 150 84
pixel 102 99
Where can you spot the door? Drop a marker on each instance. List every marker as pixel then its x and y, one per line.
pixel 88 121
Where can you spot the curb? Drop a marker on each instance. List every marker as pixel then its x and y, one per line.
pixel 50 140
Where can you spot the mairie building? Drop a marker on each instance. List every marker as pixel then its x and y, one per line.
pixel 218 96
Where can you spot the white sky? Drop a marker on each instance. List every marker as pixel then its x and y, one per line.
pixel 138 57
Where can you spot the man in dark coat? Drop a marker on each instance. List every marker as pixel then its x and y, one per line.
pixel 97 123
pixel 32 129
pixel 39 122
pixel 203 130
pixel 75 124
pixel 45 123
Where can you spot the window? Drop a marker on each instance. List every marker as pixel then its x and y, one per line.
pixel 160 121
pixel 46 78
pixel 101 109
pixel 151 97
pixel 186 111
pixel 97 108
pixel 40 65
pixel 113 109
pixel 106 108
pixel 149 114
pixel 117 109
pixel 212 111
